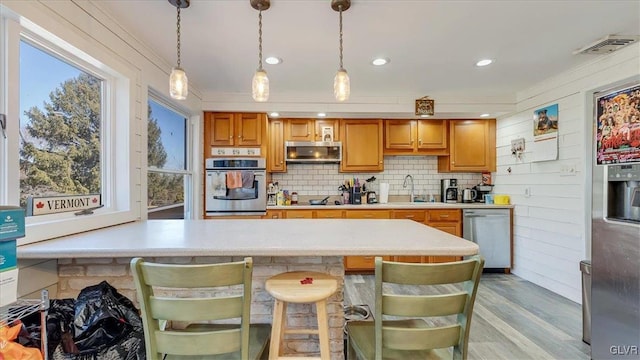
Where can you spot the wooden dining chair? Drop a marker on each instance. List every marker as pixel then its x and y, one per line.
pixel 201 339
pixel 410 336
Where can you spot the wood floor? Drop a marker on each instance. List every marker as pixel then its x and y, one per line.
pixel 513 319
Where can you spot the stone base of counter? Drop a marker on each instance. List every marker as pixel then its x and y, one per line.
pixel 76 274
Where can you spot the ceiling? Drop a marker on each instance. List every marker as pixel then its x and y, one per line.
pixel 433 46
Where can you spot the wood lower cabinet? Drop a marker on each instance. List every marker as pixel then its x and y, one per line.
pixel 299 214
pixel 329 214
pixel 415 215
pixel 362 147
pixel 472 147
pixel 364 263
pixel 449 221
pixel 274 214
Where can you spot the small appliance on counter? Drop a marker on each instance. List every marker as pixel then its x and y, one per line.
pixel 469 195
pixel 481 191
pixel 372 198
pixel 449 190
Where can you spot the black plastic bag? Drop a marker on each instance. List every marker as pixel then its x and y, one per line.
pixel 102 317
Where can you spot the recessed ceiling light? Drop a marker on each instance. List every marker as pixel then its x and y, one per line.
pixel 380 61
pixel 274 114
pixel 484 62
pixel 484 115
pixel 272 60
pixel 425 115
pixel 322 114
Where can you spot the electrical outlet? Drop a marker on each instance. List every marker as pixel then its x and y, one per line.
pixel 527 192
pixel 568 170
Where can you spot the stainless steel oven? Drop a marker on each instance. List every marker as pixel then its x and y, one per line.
pixel 235 186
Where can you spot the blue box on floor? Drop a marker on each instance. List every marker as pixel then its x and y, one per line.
pixel 11 222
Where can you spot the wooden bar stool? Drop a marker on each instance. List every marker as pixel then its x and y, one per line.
pixel 300 287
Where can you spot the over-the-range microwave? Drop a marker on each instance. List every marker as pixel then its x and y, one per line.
pixel 313 151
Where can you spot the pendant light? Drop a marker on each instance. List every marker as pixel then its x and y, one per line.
pixel 178 82
pixel 260 82
pixel 341 84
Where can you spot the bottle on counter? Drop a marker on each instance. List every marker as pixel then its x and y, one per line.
pixel 280 198
pixel 294 198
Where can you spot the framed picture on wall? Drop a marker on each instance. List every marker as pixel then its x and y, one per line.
pixel 617 125
pixel 327 133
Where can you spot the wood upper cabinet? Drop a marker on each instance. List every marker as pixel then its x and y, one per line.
pixel 248 129
pixel 324 123
pixel 310 129
pixel 275 148
pixel 362 146
pixel 472 147
pixel 299 130
pixel 234 130
pixel 417 137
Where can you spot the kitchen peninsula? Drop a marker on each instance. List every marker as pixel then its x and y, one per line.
pixel 276 246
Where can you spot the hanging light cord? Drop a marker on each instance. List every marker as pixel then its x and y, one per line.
pixel 178 32
pixel 341 67
pixel 260 37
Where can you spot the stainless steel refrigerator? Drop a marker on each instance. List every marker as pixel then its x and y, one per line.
pixel 615 231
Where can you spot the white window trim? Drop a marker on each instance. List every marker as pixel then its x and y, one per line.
pixel 118 146
pixel 189 179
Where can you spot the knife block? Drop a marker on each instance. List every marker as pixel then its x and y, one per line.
pixel 356 196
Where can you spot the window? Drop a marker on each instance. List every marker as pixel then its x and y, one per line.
pixel 70 126
pixel 169 175
pixel 60 127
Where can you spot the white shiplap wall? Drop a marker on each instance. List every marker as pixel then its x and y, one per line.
pixel 324 179
pixel 551 225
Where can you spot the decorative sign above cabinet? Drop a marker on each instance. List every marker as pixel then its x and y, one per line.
pixel 425 106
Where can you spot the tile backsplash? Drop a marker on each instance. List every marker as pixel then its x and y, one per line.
pixel 324 179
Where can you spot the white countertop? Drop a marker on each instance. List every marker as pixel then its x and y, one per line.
pixel 392 205
pixel 281 237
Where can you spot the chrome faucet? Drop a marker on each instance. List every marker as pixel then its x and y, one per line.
pixel 405 185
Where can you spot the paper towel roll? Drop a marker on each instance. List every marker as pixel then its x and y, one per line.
pixel 384 193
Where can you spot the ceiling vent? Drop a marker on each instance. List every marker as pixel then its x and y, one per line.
pixel 608 44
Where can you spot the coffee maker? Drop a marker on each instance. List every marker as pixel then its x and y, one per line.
pixel 449 190
pixel 481 191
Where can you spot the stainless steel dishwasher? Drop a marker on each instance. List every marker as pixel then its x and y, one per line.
pixel 491 230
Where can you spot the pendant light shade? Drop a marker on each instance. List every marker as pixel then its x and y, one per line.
pixel 341 83
pixel 260 82
pixel 178 82
pixel 260 86
pixel 341 86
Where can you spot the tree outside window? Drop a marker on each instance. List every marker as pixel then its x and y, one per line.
pixel 60 134
pixel 168 174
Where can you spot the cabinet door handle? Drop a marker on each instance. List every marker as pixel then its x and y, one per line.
pixel 239 136
pixel 281 162
pixel 412 141
pixel 368 216
pixel 230 136
pixel 410 216
pixel 380 162
pixel 420 141
pixel 444 216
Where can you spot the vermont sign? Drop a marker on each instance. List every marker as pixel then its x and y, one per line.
pixel 57 204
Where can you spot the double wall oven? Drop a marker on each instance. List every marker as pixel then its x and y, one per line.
pixel 235 186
